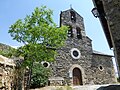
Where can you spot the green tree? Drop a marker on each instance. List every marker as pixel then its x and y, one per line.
pixel 40 36
pixel 39 76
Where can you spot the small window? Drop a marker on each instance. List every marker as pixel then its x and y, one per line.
pixel 101 68
pixel 70 32
pixel 73 17
pixel 79 35
pixel 45 64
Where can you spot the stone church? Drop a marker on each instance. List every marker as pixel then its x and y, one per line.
pixel 77 63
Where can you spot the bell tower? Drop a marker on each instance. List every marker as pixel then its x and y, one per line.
pixel 75 22
pixel 76 55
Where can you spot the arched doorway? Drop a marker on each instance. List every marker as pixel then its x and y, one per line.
pixel 77 77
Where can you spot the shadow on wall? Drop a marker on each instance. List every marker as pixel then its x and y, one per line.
pixel 110 87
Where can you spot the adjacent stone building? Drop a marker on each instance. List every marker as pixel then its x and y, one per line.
pixel 6 73
pixel 108 12
pixel 77 63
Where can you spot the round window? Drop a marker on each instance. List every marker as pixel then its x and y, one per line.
pixel 45 64
pixel 101 68
pixel 75 53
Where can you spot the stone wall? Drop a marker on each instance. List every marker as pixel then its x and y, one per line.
pixel 6 72
pixel 64 61
pixel 112 10
pixel 112 15
pixel 102 69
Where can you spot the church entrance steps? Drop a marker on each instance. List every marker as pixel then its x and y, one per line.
pixel 85 87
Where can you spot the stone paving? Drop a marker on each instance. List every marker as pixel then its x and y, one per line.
pixel 86 87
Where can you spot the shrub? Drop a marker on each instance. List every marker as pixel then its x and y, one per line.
pixel 39 76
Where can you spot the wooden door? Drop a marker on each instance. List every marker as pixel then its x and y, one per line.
pixel 77 77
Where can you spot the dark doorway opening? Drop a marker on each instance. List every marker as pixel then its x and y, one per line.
pixel 77 77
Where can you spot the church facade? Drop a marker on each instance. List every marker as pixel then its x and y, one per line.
pixel 77 63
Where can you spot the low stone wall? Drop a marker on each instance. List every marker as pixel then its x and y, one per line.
pixel 56 81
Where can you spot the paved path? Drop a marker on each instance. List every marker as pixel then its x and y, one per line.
pixel 85 87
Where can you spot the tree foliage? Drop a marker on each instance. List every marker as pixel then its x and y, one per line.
pixel 38 32
pixel 40 75
pixel 40 36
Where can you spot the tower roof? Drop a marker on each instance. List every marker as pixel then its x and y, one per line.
pixel 100 53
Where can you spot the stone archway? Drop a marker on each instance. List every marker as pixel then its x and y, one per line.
pixel 77 77
pixel 76 71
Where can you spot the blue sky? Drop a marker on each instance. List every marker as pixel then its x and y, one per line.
pixel 12 10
